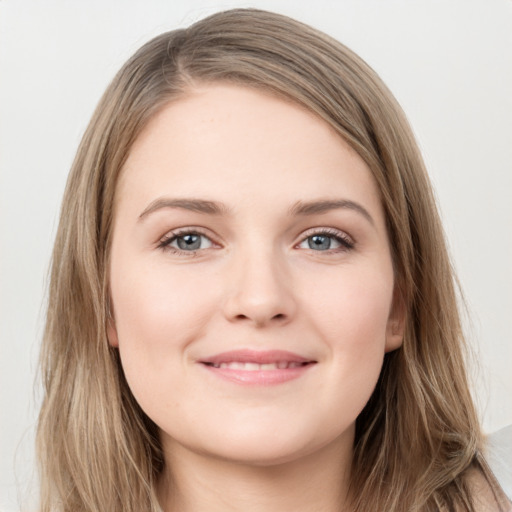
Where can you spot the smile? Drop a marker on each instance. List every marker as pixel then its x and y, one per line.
pixel 252 367
pixel 258 367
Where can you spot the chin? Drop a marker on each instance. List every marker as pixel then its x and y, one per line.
pixel 268 445
pixel 259 455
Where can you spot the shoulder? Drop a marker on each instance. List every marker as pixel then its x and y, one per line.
pixel 498 453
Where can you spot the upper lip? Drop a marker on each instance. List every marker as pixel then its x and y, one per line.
pixel 256 356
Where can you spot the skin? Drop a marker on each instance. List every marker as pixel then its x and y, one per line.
pixel 255 283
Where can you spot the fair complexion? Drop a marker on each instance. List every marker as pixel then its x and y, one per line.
pixel 252 292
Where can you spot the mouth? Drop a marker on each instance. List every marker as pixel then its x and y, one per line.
pixel 253 367
pixel 258 367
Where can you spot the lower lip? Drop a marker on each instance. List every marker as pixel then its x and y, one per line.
pixel 259 377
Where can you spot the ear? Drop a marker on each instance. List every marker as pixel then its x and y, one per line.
pixel 396 322
pixel 113 340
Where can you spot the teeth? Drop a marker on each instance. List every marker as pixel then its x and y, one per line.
pixel 252 367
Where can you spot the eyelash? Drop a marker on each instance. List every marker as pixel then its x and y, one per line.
pixel 346 242
pixel 169 238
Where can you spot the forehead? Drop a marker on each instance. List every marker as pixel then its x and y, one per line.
pixel 239 145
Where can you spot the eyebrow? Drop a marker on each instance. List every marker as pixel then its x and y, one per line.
pixel 191 204
pixel 325 205
pixel 300 208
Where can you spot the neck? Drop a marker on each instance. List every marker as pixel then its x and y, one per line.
pixel 199 483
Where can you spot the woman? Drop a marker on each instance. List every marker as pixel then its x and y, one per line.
pixel 251 304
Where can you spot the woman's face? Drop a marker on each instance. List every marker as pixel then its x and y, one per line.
pixel 251 278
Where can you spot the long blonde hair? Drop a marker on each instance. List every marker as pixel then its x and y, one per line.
pixel 419 433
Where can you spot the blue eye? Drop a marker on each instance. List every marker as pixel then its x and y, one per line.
pixel 327 241
pixel 320 242
pixel 188 241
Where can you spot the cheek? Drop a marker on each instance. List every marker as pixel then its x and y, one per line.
pixel 158 312
pixel 352 319
pixel 158 303
pixel 351 308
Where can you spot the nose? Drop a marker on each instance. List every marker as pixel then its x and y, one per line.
pixel 259 291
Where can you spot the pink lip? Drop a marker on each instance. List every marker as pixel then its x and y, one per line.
pixel 295 366
pixel 254 356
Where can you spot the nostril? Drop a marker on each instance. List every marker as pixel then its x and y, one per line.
pixel 277 317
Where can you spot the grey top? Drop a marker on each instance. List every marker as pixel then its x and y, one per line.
pixel 499 457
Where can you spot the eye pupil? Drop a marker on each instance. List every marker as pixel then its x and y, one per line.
pixel 189 242
pixel 319 242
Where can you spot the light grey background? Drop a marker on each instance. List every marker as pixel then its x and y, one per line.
pixel 449 62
